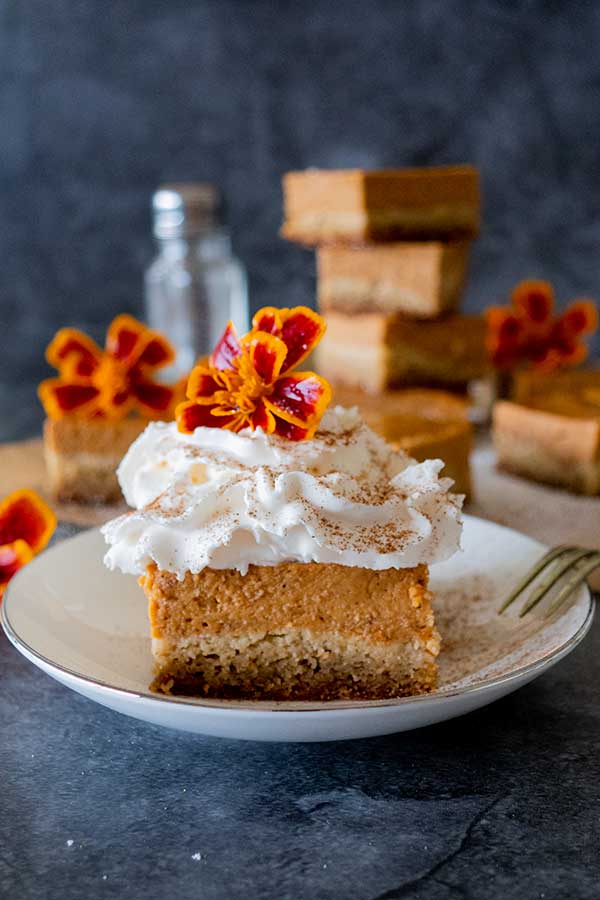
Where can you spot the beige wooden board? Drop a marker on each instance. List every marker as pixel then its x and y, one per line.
pixel 22 466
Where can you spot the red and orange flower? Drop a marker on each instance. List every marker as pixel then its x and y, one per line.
pixel 248 382
pixel 109 383
pixel 26 526
pixel 530 333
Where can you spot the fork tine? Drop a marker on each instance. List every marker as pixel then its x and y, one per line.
pixel 548 557
pixel 566 562
pixel 579 575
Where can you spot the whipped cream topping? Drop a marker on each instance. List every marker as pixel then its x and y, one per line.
pixel 226 500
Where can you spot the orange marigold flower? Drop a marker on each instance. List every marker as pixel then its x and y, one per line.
pixel 248 382
pixel 109 383
pixel 26 526
pixel 528 332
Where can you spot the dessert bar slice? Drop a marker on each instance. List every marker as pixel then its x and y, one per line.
pixel 554 435
pixel 349 205
pixel 82 456
pixel 288 632
pixel 287 561
pixel 423 279
pixel 374 351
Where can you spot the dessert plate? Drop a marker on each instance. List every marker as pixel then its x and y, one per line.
pixel 87 628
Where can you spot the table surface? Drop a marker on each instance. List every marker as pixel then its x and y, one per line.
pixel 502 803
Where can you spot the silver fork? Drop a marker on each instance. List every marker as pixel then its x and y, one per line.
pixel 569 564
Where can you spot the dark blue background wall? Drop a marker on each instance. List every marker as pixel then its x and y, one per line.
pixel 100 100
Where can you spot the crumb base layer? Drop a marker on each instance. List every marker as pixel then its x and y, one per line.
pixel 291 665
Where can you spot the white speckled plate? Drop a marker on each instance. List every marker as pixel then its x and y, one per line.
pixel 87 628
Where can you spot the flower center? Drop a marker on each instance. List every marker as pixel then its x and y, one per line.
pixel 111 377
pixel 247 387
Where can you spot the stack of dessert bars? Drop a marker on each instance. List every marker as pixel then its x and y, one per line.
pixel 392 252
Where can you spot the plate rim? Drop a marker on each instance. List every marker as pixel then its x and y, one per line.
pixel 283 708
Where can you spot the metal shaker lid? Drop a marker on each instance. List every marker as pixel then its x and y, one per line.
pixel 185 209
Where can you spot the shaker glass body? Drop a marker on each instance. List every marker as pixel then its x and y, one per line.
pixel 193 288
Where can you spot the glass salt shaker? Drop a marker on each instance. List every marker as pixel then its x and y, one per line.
pixel 195 285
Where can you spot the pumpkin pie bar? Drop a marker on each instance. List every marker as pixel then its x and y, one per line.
pixel 376 351
pixel 278 564
pixel 426 424
pixel 82 457
pixel 98 404
pixel 420 278
pixel 552 434
pixel 285 632
pixel 354 205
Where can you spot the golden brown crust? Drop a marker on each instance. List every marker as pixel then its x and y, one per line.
pixel 293 666
pixel 426 424
pixel 423 279
pixel 355 205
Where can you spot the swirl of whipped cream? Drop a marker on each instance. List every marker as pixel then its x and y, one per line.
pixel 228 501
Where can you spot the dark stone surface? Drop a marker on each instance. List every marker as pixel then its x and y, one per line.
pixel 99 102
pixel 503 803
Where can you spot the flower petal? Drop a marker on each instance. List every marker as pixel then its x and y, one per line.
pixel 126 339
pixel 504 327
pixel 535 299
pixel 13 556
pixel 301 331
pixel 269 319
pixel 299 328
pixel 73 351
pixel 504 336
pixel 227 349
pixel 152 399
pixel 191 415
pixel 300 399
pixel 62 398
pixel 157 353
pixel 263 418
pixel 572 354
pixel 203 383
pixel 266 353
pixel 565 348
pixel 581 317
pixel 24 516
pixel 291 432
